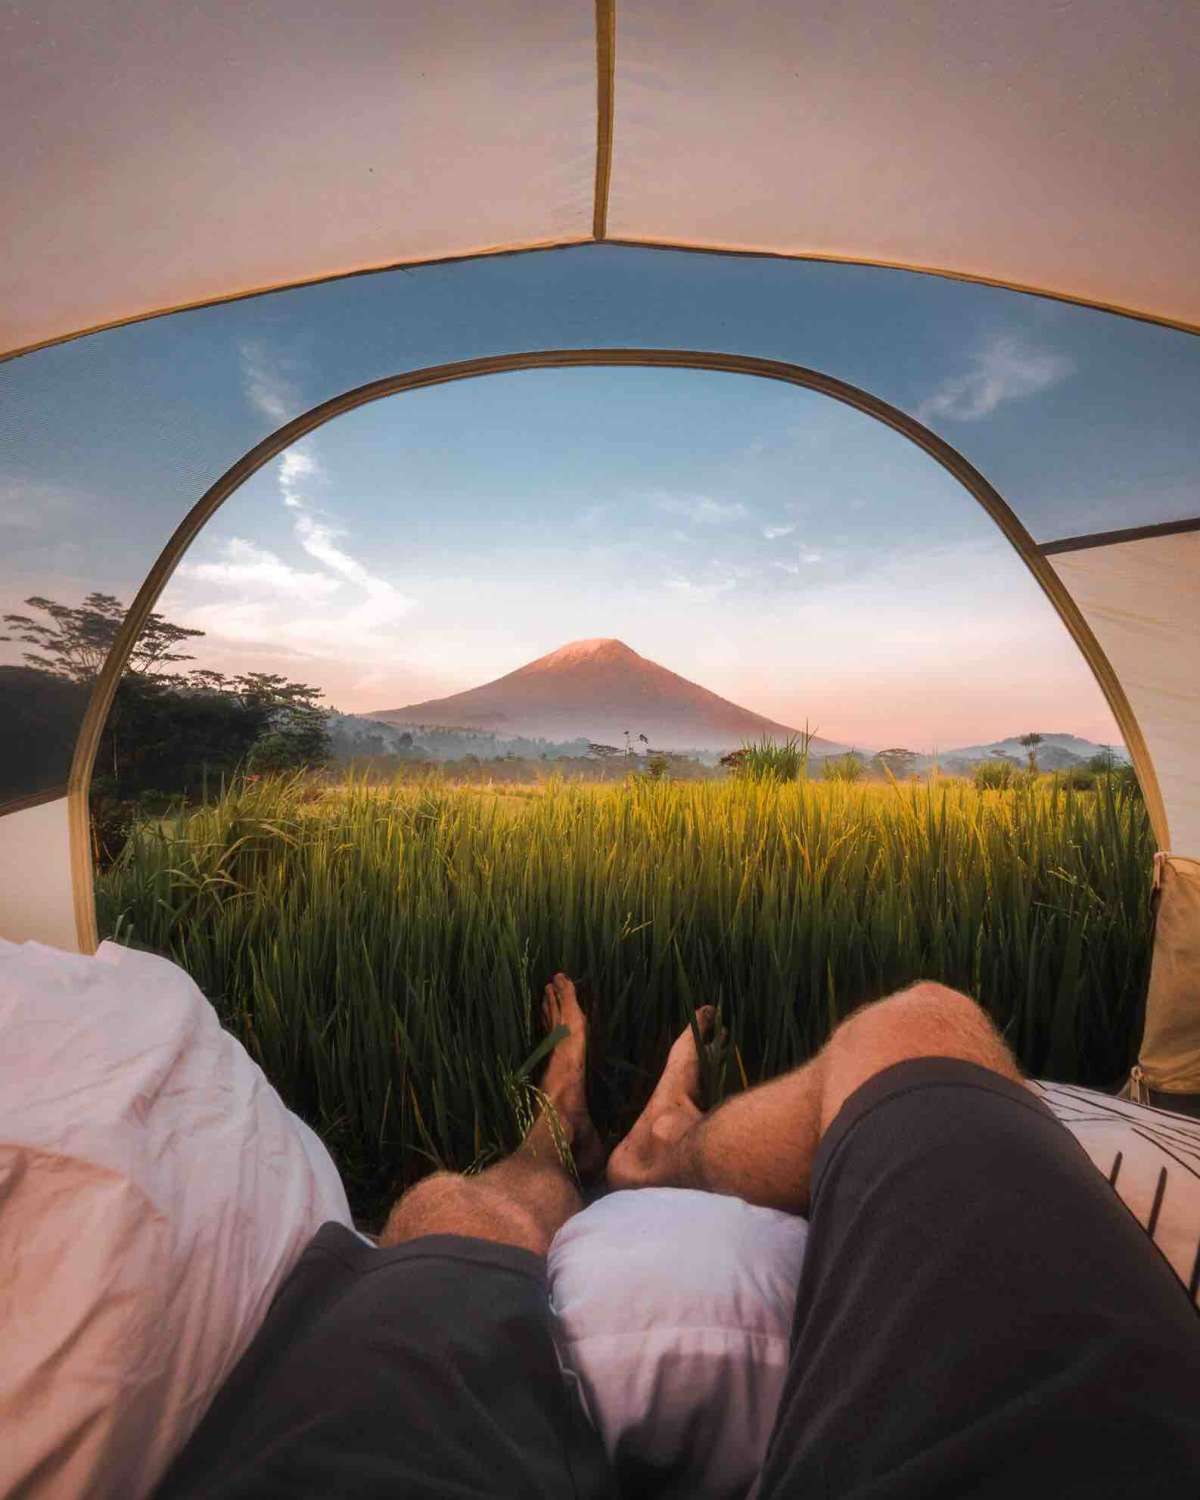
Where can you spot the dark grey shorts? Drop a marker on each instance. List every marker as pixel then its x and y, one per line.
pixel 428 1369
pixel 978 1315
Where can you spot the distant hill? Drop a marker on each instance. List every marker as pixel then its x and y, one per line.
pixel 596 690
pixel 1057 752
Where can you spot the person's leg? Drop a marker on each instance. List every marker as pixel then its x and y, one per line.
pixel 427 1366
pixel 525 1199
pixel 760 1145
pixel 977 1312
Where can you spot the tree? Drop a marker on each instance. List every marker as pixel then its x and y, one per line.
pixel 604 752
pixel 898 762
pixel 1031 742
pixel 168 731
pixel 1103 763
pixel 75 641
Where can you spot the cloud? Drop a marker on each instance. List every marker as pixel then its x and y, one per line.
pixel 245 565
pixel 266 386
pixel 296 465
pixel 701 509
pixel 699 593
pixel 35 506
pixel 806 557
pixel 270 606
pixel 1007 368
pixel 773 532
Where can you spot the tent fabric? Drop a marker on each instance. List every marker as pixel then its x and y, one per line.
pixel 154 1192
pixel 1142 601
pixel 206 151
pixel 194 152
pixel 1048 146
pixel 37 899
pixel 1169 1057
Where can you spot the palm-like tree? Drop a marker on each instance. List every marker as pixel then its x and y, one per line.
pixel 1031 742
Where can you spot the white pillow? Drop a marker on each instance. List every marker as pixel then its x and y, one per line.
pixel 154 1192
pixel 675 1312
pixel 676 1306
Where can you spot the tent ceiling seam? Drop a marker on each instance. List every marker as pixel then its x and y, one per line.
pixel 606 74
pixel 577 242
pixel 1115 538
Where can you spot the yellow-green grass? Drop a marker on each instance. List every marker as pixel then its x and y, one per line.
pixel 381 951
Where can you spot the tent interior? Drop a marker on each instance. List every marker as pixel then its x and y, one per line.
pixel 225 226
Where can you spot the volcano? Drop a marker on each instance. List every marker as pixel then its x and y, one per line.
pixel 597 690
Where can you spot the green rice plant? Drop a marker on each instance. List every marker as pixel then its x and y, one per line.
pixel 842 768
pixel 994 775
pixel 767 759
pixel 381 951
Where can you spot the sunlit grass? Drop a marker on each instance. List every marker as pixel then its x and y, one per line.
pixel 382 951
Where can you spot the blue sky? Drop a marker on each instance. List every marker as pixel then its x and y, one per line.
pixel 774 545
pixel 431 541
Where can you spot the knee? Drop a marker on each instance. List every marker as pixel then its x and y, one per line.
pixel 926 1020
pixel 446 1203
pixel 937 1007
pixel 436 1205
pixel 439 1194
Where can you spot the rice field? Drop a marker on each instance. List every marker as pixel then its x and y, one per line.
pixel 381 951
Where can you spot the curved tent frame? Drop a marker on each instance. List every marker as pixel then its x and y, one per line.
pixel 550 359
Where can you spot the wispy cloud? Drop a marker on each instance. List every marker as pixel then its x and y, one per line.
pixel 31 505
pixel 1007 368
pixel 296 465
pixel 773 532
pixel 266 384
pixel 340 604
pixel 807 557
pixel 698 592
pixel 702 509
pixel 245 565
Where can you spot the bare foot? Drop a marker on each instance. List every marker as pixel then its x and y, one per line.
pixel 564 1081
pixel 674 1107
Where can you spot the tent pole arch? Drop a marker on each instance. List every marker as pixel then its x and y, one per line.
pixel 547 359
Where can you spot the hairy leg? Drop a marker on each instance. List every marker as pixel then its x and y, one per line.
pixel 760 1145
pixel 525 1199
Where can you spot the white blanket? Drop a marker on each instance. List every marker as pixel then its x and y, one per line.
pixel 154 1192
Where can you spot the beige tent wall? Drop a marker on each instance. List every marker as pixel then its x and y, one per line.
pixel 164 155
pixel 1142 601
pixel 1051 146
pixel 36 895
pixel 159 155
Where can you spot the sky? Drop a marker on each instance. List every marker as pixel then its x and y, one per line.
pixel 762 540
pixel 781 549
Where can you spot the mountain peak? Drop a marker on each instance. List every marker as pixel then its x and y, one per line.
pixel 598 689
pixel 597 649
